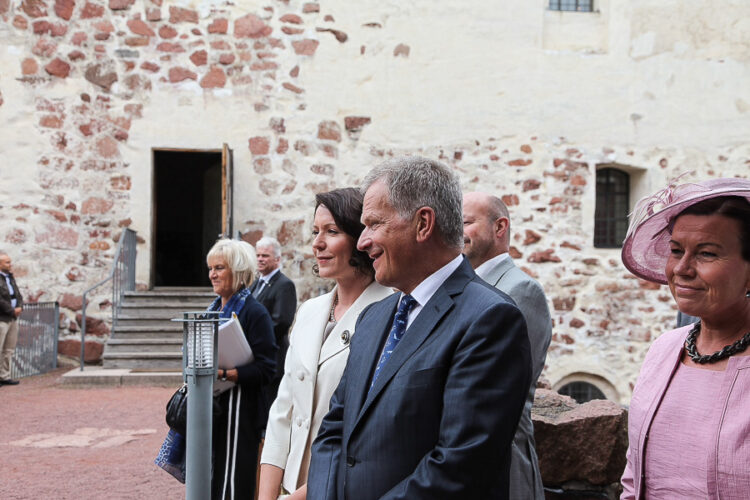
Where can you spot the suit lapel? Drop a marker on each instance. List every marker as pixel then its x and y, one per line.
pixel 375 327
pixel 422 327
pixel 267 289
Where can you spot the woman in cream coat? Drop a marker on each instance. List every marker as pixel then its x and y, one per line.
pixel 319 344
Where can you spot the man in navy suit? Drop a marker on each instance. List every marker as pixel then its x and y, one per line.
pixel 438 374
pixel 278 295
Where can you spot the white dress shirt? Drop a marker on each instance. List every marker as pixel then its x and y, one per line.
pixel 427 288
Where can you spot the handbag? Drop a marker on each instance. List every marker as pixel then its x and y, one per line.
pixel 177 410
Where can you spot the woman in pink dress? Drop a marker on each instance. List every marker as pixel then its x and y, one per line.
pixel 689 422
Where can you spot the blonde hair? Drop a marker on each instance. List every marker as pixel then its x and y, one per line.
pixel 240 257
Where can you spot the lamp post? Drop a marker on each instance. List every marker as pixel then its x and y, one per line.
pixel 199 355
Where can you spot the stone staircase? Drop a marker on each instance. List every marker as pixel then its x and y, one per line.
pixel 145 340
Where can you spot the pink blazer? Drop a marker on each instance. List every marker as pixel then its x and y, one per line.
pixel 728 459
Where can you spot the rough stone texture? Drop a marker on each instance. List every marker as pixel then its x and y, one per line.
pixel 219 26
pixel 94 326
pixel 251 26
pixel 181 15
pixel 140 28
pixel 575 442
pixel 305 47
pixel 215 78
pixel 401 50
pixel 58 68
pixel 179 74
pixel 91 10
pixel 34 8
pixel 120 4
pixel 100 74
pixel 92 350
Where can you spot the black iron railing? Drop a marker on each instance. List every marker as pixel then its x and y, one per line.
pixel 36 350
pixel 122 276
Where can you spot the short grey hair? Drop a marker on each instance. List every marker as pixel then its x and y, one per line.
pixel 273 243
pixel 240 258
pixel 413 182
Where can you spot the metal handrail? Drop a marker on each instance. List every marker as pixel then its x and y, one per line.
pixel 123 280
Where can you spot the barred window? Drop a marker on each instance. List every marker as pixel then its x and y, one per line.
pixel 572 5
pixel 612 207
pixel 582 392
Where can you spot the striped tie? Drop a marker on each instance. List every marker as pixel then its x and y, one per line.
pixel 397 331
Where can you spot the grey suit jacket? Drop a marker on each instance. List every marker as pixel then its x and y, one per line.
pixel 525 478
pixel 439 421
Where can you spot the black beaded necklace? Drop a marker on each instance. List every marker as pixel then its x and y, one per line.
pixel 728 350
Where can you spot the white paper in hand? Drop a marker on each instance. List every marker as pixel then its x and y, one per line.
pixel 234 350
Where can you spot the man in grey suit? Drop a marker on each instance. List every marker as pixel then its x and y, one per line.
pixel 437 374
pixel 486 245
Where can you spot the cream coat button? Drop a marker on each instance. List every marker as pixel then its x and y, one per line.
pixel 301 375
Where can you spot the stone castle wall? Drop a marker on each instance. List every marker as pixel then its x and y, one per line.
pixel 521 101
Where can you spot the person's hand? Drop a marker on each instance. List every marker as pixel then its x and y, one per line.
pixel 17 310
pixel 299 494
pixel 231 375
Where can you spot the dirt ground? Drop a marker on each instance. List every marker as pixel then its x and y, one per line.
pixel 82 443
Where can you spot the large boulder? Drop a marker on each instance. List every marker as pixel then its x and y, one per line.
pixel 579 443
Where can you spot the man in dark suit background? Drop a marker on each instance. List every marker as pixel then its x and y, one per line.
pixel 11 303
pixel 431 395
pixel 279 296
pixel 486 245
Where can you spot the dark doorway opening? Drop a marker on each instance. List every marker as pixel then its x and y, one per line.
pixel 187 215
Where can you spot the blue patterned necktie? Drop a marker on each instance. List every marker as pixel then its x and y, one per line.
pixel 397 331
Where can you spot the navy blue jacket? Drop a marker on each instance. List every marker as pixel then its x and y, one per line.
pixel 440 419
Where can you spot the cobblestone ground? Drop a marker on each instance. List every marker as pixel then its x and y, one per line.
pixel 82 443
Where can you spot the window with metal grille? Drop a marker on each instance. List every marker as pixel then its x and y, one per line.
pixel 612 207
pixel 582 392
pixel 572 5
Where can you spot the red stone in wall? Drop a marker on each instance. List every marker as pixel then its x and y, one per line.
pixel 199 57
pixel 251 26
pixel 329 130
pixel 179 74
pixel 58 68
pixel 92 351
pixel 91 10
pixel 120 4
pixel 259 145
pixel 140 28
pixel 34 8
pixel 219 26
pixel 544 256
pixel 95 205
pixel 57 236
pixel 305 47
pixel 29 66
pixel 167 32
pixel 179 15
pixel 215 78
pixel 291 18
pixel 310 8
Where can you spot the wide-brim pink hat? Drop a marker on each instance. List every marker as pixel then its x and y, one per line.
pixel 646 245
